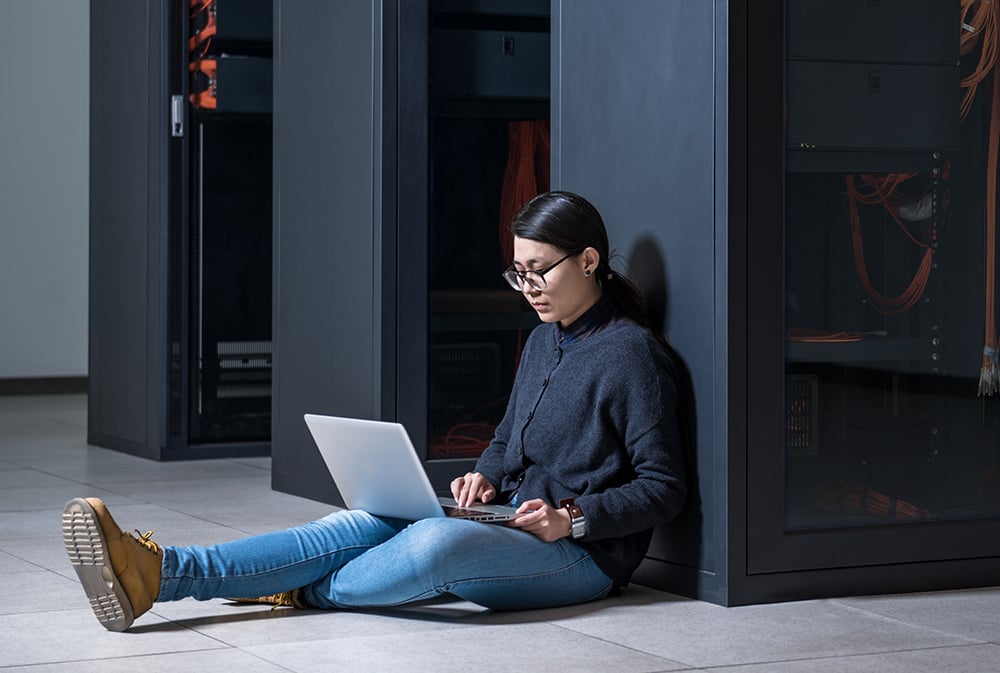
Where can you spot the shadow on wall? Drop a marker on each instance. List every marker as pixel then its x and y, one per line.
pixel 647 268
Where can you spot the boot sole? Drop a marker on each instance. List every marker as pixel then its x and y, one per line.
pixel 88 552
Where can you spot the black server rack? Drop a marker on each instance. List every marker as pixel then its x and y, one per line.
pixel 421 110
pixel 180 334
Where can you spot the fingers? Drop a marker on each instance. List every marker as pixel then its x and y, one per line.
pixel 467 489
pixel 531 506
pixel 541 520
pixel 456 487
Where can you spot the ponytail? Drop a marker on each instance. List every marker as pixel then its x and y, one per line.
pixel 624 294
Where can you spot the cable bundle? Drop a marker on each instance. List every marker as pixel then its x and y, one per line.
pixel 884 191
pixel 203 70
pixel 463 440
pixel 989 373
pixel 981 26
pixel 862 500
pixel 812 336
pixel 527 174
pixel 204 98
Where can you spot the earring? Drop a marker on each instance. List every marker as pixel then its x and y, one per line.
pixel 587 273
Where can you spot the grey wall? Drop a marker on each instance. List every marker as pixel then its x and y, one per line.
pixel 44 75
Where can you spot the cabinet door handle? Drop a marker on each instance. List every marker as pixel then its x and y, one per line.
pixel 177 116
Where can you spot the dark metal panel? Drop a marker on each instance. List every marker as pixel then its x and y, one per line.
pixel 634 119
pixel 413 188
pixel 125 52
pixel 732 307
pixel 326 307
pixel 866 580
pixel 765 274
pixel 866 106
pixel 884 31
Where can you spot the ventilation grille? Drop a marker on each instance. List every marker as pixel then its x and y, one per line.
pixel 244 369
pixel 801 418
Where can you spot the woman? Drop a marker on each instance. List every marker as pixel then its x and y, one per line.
pixel 588 451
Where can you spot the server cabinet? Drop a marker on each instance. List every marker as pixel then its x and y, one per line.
pixel 841 447
pixel 390 199
pixel 180 305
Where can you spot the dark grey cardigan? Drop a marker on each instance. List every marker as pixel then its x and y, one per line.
pixel 594 418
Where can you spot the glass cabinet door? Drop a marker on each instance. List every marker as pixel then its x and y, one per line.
pixel 888 417
pixel 891 415
pixel 488 153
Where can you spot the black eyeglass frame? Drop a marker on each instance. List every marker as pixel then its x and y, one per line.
pixel 516 279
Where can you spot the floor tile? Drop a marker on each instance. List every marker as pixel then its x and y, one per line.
pixel 14 480
pixel 30 524
pixel 539 648
pixel 704 635
pixel 213 661
pixel 47 553
pixel 960 659
pixel 103 467
pixel 53 497
pixel 39 591
pixel 252 625
pixel 75 635
pixel 12 564
pixel 974 613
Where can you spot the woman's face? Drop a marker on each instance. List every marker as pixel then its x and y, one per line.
pixel 569 291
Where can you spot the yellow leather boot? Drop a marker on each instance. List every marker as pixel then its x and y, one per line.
pixel 291 599
pixel 120 572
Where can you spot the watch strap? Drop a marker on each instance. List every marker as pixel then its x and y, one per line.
pixel 577 520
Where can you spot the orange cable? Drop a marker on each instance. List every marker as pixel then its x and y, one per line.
pixel 989 381
pixel 885 194
pixel 526 176
pixel 982 29
pixel 802 335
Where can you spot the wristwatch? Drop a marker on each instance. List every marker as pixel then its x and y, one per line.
pixel 575 516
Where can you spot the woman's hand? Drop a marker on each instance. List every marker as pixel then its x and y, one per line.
pixel 542 520
pixel 473 486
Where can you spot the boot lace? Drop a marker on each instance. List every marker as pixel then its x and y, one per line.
pixel 284 599
pixel 145 541
pixel 291 599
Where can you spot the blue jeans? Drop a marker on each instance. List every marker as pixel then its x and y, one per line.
pixel 351 559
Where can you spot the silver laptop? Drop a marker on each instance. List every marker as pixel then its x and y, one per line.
pixel 376 469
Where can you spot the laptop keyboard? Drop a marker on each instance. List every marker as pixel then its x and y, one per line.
pixel 452 510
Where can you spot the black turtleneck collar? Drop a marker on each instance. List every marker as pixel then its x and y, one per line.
pixel 595 317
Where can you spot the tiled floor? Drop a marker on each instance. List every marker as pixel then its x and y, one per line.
pixel 46 625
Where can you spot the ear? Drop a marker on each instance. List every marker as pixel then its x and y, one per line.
pixel 591 259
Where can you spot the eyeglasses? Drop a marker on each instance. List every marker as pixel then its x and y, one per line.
pixel 535 279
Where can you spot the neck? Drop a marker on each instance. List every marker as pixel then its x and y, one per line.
pixel 589 304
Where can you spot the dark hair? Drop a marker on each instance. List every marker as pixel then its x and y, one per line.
pixel 571 223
